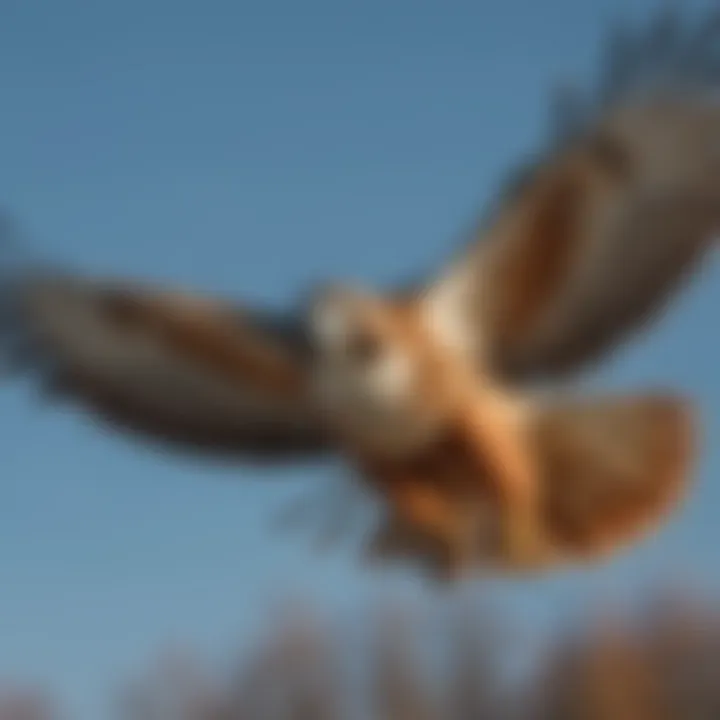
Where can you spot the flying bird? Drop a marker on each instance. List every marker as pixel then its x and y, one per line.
pixel 448 396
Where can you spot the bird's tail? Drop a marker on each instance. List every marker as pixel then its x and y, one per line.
pixel 612 466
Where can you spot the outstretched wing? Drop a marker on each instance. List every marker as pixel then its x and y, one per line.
pixel 591 239
pixel 194 373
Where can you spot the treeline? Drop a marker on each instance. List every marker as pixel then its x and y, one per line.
pixel 659 663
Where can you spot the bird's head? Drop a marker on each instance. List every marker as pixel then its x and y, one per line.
pixel 373 373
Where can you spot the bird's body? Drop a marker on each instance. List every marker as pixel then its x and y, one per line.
pixel 428 391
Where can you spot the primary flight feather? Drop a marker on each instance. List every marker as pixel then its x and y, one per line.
pixel 428 391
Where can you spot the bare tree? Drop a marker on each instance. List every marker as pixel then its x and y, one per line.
pixel 661 663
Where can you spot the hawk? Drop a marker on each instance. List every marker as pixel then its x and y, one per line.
pixel 446 395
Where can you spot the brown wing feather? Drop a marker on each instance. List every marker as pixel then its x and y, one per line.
pixel 527 276
pixel 594 241
pixel 196 373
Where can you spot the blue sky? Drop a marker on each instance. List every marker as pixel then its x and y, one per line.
pixel 249 149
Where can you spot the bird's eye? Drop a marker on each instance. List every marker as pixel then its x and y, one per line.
pixel 363 347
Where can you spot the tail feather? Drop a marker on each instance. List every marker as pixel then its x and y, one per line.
pixel 612 467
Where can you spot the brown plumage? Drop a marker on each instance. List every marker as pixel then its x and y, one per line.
pixel 609 467
pixel 428 391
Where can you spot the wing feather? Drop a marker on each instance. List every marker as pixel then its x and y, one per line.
pixel 590 242
pixel 195 373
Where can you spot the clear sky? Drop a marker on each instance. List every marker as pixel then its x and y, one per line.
pixel 248 149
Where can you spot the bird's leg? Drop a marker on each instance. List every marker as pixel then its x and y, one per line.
pixel 497 438
pixel 430 511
